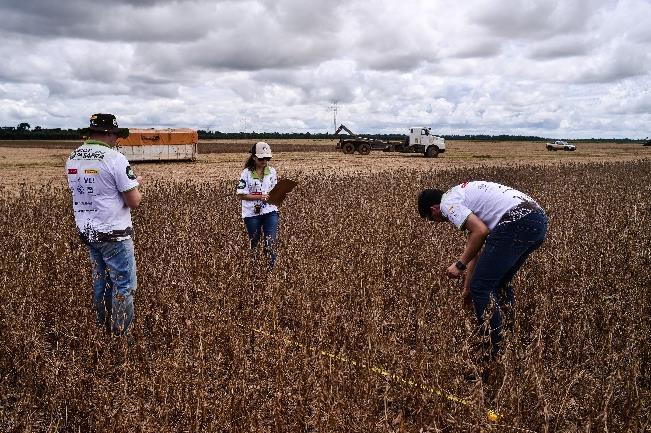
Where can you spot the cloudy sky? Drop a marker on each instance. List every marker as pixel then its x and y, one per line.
pixel 554 68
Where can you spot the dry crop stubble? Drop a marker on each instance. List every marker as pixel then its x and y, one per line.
pixel 358 275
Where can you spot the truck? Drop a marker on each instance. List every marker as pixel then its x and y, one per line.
pixel 419 140
pixel 159 144
pixel 560 145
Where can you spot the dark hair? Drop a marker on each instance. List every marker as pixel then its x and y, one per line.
pixel 426 199
pixel 250 163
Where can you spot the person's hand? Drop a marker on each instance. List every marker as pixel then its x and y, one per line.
pixel 264 197
pixel 453 271
pixel 467 300
pixel 139 179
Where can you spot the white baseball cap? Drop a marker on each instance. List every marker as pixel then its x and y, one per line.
pixel 261 150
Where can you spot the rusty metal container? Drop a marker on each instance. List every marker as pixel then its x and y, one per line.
pixel 159 144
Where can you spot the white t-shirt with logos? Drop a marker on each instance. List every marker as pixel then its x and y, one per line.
pixel 97 177
pixel 488 200
pixel 250 183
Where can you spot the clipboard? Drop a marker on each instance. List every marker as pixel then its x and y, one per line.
pixel 280 191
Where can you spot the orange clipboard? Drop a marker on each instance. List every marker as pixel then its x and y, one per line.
pixel 280 191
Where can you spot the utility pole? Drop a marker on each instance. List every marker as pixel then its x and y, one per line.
pixel 333 107
pixel 244 120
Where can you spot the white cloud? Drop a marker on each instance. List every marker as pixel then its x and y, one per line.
pixel 535 18
pixel 545 67
pixel 562 46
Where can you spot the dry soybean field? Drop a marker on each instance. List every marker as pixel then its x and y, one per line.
pixel 356 330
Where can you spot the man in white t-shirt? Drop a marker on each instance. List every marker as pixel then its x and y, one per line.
pixel 509 225
pixel 104 190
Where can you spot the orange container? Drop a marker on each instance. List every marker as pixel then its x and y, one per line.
pixel 159 144
pixel 144 137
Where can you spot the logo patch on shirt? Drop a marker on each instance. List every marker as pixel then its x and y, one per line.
pixel 91 171
pixel 241 184
pixel 72 171
pixel 130 174
pixel 87 154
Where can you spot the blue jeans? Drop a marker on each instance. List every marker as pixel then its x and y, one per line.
pixel 266 224
pixel 114 283
pixel 505 251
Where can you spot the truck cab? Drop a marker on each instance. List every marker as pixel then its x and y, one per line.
pixel 422 140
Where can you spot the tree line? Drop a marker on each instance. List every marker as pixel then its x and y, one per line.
pixel 24 131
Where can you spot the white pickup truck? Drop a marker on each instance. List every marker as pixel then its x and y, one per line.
pixel 560 145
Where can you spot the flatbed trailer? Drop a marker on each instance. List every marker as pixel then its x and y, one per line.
pixel 419 140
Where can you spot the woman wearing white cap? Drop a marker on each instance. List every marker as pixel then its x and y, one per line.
pixel 260 217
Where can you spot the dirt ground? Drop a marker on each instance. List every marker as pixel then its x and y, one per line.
pixel 39 166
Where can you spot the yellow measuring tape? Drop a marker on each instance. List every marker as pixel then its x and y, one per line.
pixel 491 415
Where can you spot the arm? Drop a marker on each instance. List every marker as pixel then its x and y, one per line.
pixel 253 197
pixel 133 197
pixel 470 267
pixel 476 237
pixel 465 294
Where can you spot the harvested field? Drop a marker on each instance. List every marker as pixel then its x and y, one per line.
pixel 40 144
pixel 358 276
pixel 243 146
pixel 43 165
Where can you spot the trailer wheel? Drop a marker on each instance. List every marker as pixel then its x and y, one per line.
pixel 348 148
pixel 364 149
pixel 432 152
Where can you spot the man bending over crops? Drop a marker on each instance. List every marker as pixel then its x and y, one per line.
pixel 509 225
pixel 104 189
